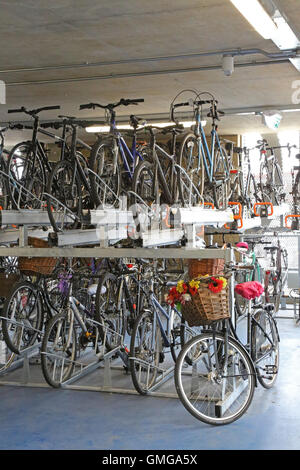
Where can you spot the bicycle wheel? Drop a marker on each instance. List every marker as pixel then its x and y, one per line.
pixel 65 186
pixel 144 184
pixel 106 190
pixel 6 356
pixel 109 311
pixel 59 349
pixel 25 167
pixel 266 183
pixel 191 160
pixel 23 317
pixel 4 198
pixel 265 347
pixel 215 394
pixel 145 352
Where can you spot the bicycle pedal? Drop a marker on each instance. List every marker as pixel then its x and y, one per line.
pixel 161 357
pixel 271 369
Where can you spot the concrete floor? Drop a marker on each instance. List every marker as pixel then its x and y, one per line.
pixel 44 418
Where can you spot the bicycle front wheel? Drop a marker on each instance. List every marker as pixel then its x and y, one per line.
pixel 217 385
pixel 145 352
pixel 191 161
pixel 23 317
pixel 265 347
pixel 64 185
pixel 105 190
pixel 59 349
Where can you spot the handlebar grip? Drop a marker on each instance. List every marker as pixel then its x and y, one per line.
pixel 86 106
pixel 138 100
pixel 20 110
pixel 46 108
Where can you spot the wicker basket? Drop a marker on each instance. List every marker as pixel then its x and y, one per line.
pixel 41 265
pixel 206 306
pixel 201 267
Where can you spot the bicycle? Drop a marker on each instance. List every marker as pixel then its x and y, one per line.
pixel 158 330
pixel 71 333
pixel 28 164
pixel 215 374
pixel 209 164
pixel 111 158
pixel 256 274
pixel 270 174
pixel 30 305
pixel 276 275
pixel 69 186
pixel 296 198
pixel 244 190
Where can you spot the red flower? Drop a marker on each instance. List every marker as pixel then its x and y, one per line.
pixel 193 290
pixel 216 285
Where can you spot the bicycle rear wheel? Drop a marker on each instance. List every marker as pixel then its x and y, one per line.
pixel 265 347
pixel 145 352
pixel 64 184
pixel 218 386
pixel 59 349
pixel 109 311
pixel 23 317
pixel 26 168
pixel 190 159
pixel 106 190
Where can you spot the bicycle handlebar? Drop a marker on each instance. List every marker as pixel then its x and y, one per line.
pixel 111 106
pixel 32 112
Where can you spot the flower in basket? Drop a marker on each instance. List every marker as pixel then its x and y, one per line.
pixel 173 296
pixel 193 287
pixel 185 298
pixel 217 284
pixel 181 287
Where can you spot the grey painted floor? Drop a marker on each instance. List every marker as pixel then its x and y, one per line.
pixel 45 418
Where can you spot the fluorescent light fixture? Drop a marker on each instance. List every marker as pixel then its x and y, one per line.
pixel 257 16
pixel 296 110
pixel 105 129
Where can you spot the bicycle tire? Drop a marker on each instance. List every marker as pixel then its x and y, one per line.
pixel 56 341
pixel 261 344
pixel 64 184
pixel 35 183
pixel 145 358
pixel 109 311
pixel 23 305
pixel 210 383
pixel 101 161
pixel 190 162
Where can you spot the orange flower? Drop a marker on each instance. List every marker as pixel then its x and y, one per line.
pixel 216 285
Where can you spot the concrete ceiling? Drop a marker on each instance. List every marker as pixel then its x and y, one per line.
pixel 72 32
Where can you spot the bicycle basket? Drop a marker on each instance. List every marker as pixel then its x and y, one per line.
pixel 206 306
pixel 42 265
pixel 201 267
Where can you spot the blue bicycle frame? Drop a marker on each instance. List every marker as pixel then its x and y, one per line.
pixel 208 153
pixel 164 332
pixel 131 157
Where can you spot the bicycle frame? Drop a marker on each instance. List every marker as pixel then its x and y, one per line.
pixel 129 157
pixel 206 153
pixel 166 333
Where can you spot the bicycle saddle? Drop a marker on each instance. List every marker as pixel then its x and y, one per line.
pixel 271 248
pixel 249 290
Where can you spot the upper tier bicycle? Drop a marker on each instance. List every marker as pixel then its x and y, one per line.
pixel 28 164
pixel 272 187
pixel 111 158
pixel 209 164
